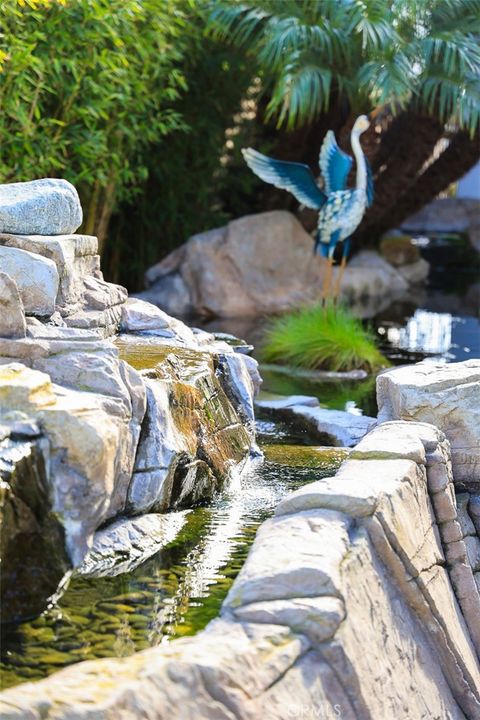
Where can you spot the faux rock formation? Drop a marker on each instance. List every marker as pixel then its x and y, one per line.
pixel 446 395
pixel 12 315
pixel 261 264
pixel 29 530
pixel 45 207
pixel 328 427
pixel 61 274
pixel 36 278
pixel 351 604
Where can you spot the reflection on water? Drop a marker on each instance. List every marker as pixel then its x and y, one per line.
pixel 174 593
pixel 442 337
pixel 425 331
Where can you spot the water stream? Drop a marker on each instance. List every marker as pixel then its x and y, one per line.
pixel 174 593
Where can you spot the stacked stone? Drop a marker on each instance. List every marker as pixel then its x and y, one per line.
pixel 57 272
pixel 448 396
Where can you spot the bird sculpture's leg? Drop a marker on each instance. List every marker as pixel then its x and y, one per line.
pixel 328 251
pixel 327 281
pixel 346 251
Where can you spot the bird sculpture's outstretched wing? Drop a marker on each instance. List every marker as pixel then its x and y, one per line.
pixel 334 164
pixel 370 193
pixel 294 177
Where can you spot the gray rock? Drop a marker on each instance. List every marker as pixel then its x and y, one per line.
pixel 44 207
pixel 171 294
pixel 142 317
pixel 12 315
pixel 128 542
pixel 36 278
pixel 330 427
pixel 447 396
pixel 448 215
pixel 415 273
pixel 34 559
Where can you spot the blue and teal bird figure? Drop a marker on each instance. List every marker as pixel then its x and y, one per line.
pixel 340 209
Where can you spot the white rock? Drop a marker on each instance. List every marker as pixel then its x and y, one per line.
pixel 128 542
pixel 445 395
pixel 332 427
pixel 293 556
pixel 36 278
pixel 12 315
pixel 76 258
pixel 49 206
pixel 142 317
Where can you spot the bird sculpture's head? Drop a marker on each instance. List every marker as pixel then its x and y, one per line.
pixel 362 123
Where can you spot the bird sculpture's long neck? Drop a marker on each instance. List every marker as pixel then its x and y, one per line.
pixel 360 159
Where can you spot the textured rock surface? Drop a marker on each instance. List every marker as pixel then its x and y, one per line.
pixel 167 437
pixel 257 264
pixel 45 207
pixel 36 278
pixel 447 396
pixel 192 436
pixel 128 542
pixel 335 613
pixel 92 445
pixel 75 257
pixel 28 527
pixel 12 315
pixel 84 300
pixel 329 427
pixel 263 264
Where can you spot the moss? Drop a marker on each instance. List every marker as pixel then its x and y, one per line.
pixel 399 250
pixel 306 456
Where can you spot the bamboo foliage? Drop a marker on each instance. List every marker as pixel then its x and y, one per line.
pixel 85 86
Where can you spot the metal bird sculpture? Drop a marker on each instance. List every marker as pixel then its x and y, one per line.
pixel 340 209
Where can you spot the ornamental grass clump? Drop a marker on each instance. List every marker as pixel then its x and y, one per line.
pixel 322 338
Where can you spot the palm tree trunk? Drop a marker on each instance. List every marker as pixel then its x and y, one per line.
pixel 459 157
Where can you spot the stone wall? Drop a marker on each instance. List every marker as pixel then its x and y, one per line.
pixel 350 605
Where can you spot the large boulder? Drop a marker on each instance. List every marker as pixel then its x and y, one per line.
pixel 36 278
pixel 12 314
pixel 45 207
pixel 256 264
pixel 447 396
